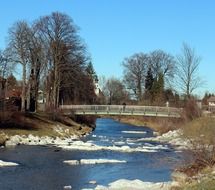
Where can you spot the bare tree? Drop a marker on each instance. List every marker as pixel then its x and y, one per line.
pixel 65 51
pixel 38 61
pixel 135 69
pixel 188 78
pixel 115 91
pixel 5 67
pixel 51 51
pixel 18 48
pixel 3 70
pixel 162 63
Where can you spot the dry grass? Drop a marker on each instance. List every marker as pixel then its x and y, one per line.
pixel 206 182
pixel 161 125
pixel 191 110
pixel 3 139
pixel 39 124
pixel 201 133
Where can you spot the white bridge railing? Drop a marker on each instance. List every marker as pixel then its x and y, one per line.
pixel 121 110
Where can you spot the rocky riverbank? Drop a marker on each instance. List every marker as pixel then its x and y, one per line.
pixel 41 129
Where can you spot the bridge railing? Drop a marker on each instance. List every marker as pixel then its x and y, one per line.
pixel 120 109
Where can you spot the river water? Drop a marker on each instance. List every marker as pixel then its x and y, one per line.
pixel 42 167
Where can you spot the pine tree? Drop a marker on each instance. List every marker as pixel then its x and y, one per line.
pixel 149 80
pixel 158 89
pixel 91 72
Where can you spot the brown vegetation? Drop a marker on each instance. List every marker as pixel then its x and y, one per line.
pixel 161 125
pixel 200 134
pixel 38 124
pixel 191 111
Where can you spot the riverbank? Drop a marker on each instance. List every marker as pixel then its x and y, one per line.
pixel 64 133
pixel 200 169
pixel 197 138
pixel 160 125
pixel 40 129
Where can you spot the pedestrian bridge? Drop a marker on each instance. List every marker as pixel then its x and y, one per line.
pixel 128 110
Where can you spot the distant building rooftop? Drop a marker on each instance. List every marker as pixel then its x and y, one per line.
pixel 211 99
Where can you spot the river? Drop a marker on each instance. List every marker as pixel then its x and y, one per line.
pixel 42 167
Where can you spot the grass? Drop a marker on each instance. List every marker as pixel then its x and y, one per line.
pixel 200 132
pixel 3 138
pixel 206 184
pixel 203 184
pixel 161 125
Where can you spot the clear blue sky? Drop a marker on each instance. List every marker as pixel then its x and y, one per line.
pixel 115 29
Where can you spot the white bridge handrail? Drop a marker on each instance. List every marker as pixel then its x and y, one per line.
pixel 122 108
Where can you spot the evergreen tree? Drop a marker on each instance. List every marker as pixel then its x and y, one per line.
pixel 158 89
pixel 149 80
pixel 91 72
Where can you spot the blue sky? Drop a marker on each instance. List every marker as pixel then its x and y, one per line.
pixel 115 29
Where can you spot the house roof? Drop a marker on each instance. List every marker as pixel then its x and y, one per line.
pixel 211 99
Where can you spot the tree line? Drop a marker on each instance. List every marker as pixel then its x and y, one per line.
pixel 156 78
pixel 53 57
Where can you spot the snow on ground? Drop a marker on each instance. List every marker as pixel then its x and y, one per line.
pixel 71 143
pixel 134 132
pixel 123 184
pixel 5 164
pixel 88 146
pixel 119 143
pixel 36 140
pixel 171 137
pixel 93 161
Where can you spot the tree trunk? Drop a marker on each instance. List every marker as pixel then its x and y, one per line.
pixel 55 87
pixel 23 96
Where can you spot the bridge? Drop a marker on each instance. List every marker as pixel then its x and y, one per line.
pixel 129 110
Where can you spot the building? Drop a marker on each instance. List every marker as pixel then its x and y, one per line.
pixel 97 88
pixel 41 97
pixel 211 104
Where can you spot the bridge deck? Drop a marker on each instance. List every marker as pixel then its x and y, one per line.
pixel 121 110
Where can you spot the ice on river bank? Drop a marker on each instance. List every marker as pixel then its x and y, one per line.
pixel 172 137
pixel 71 143
pixel 36 140
pixel 89 146
pixel 124 184
pixel 93 161
pixel 134 132
pixel 6 164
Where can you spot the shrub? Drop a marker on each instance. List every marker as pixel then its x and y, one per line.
pixel 191 110
pixel 5 116
pixel 86 119
pixel 201 133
